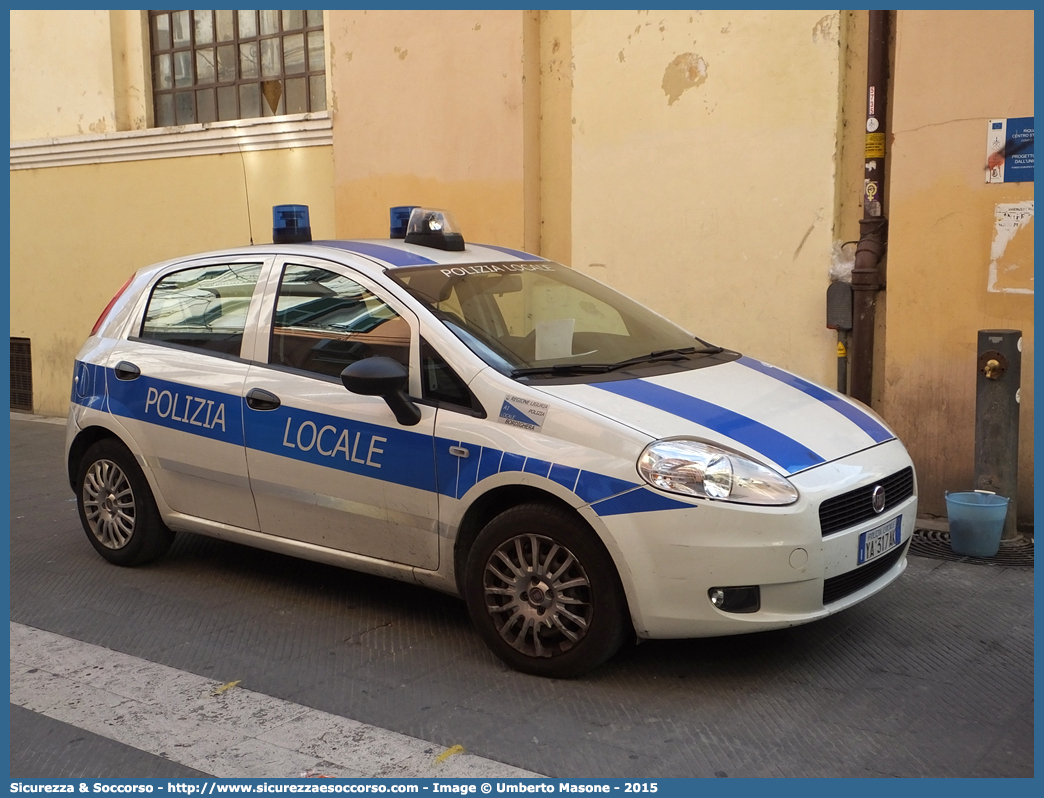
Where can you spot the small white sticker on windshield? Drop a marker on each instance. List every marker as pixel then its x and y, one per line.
pixel 525 413
pixel 554 339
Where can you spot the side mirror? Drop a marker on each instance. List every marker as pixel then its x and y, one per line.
pixel 387 378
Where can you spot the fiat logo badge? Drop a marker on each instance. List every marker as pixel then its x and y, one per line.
pixel 878 498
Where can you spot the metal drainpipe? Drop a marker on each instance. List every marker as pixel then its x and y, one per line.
pixel 867 279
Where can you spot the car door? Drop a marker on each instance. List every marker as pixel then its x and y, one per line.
pixel 329 467
pixel 176 383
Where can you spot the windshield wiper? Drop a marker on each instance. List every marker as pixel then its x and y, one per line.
pixel 667 354
pixel 564 369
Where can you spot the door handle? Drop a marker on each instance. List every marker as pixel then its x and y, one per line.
pixel 458 451
pixel 127 371
pixel 260 399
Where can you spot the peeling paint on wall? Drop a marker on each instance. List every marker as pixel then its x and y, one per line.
pixel 1011 254
pixel 827 29
pixel 685 72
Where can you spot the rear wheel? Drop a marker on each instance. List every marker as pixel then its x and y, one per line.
pixel 544 593
pixel 116 506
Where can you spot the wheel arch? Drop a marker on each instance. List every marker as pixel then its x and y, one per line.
pixel 499 499
pixel 83 441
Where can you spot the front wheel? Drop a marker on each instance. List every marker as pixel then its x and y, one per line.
pixel 116 506
pixel 544 593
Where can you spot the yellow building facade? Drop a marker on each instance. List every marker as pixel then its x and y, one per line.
pixel 704 162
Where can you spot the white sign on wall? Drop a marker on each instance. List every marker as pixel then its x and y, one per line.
pixel 1010 273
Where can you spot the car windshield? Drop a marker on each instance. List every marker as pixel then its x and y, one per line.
pixel 534 318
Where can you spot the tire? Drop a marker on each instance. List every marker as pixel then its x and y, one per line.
pixel 116 506
pixel 559 613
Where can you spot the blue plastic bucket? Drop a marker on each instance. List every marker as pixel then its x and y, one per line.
pixel 976 522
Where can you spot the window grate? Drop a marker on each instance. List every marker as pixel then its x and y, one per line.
pixel 21 375
pixel 213 66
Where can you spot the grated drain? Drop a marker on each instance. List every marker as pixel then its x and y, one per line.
pixel 936 545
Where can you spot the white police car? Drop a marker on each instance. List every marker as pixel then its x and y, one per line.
pixel 484 422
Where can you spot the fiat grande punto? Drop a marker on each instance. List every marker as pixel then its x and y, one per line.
pixel 484 422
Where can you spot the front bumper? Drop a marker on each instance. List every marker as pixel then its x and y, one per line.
pixel 669 560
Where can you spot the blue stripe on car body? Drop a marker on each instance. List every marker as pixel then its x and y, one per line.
pixel 467 470
pixel 862 420
pixel 404 457
pixel 489 463
pixel 788 453
pixel 88 389
pixel 198 411
pixel 592 487
pixel 396 257
pixel 446 467
pixel 516 253
pixel 512 462
pixel 565 476
pixel 639 500
pixel 539 467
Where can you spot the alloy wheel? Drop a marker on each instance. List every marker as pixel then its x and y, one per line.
pixel 108 504
pixel 538 595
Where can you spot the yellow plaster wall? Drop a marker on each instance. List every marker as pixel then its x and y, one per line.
pixel 954 71
pixel 428 109
pixel 703 173
pixel 77 233
pixel 556 136
pixel 131 69
pixel 61 74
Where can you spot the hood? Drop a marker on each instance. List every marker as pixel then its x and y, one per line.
pixel 770 414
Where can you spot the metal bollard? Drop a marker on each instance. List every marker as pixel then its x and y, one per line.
pixel 997 396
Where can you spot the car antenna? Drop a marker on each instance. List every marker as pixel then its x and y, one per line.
pixel 246 193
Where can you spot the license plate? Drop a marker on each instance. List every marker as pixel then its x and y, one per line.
pixel 880 540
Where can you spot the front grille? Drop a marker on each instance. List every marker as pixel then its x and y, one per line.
pixel 21 375
pixel 857 505
pixel 837 587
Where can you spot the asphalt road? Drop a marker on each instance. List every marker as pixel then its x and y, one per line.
pixel 932 677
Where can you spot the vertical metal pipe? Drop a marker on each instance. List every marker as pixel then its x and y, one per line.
pixel 997 395
pixel 873 240
pixel 842 362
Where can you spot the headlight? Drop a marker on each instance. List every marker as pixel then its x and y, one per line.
pixel 699 469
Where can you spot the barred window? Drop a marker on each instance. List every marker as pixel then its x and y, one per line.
pixel 211 66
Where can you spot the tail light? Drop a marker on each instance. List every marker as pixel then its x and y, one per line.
pixel 104 313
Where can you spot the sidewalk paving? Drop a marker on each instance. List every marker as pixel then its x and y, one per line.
pixel 931 677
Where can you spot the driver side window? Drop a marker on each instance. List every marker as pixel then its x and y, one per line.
pixel 325 321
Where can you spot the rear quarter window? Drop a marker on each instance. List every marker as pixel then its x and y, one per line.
pixel 202 308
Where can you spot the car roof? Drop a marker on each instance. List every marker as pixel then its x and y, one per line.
pixel 395 253
pixel 388 254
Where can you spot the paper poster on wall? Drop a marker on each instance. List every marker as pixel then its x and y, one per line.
pixel 1011 254
pixel 1009 150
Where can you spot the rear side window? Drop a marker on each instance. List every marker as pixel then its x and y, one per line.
pixel 326 321
pixel 203 308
